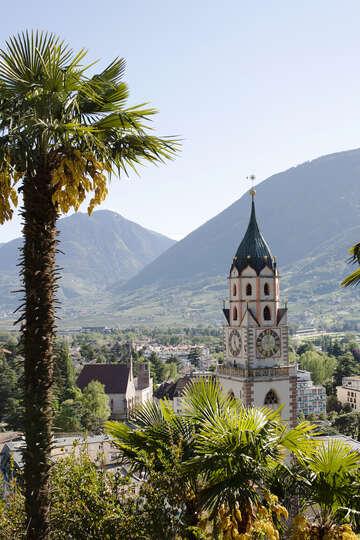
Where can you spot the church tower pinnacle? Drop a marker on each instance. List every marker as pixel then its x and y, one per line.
pixel 256 368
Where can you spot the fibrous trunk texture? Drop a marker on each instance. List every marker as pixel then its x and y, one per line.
pixel 39 279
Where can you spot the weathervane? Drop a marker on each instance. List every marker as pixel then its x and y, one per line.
pixel 252 178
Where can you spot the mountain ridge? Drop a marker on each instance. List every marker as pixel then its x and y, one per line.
pixel 222 233
pixel 94 252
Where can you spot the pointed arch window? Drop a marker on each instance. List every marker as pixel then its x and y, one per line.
pixel 235 314
pixel 267 313
pixel 248 289
pixel 271 398
pixel 266 289
pixel 234 289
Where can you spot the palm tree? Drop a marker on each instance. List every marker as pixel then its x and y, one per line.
pixel 236 448
pixel 329 487
pixel 62 132
pixel 354 277
pixel 227 449
pixel 157 440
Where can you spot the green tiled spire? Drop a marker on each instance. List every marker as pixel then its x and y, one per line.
pixel 253 250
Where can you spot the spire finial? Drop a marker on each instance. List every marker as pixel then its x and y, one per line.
pixel 252 191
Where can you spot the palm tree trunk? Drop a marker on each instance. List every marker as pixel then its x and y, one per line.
pixel 39 279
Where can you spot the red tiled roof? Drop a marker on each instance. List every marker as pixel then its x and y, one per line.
pixel 113 376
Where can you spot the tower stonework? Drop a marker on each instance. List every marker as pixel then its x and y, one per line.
pixel 256 367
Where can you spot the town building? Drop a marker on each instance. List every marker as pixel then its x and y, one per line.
pixel 123 389
pixel 256 367
pixel 173 391
pixel 311 398
pixel 349 392
pixel 100 449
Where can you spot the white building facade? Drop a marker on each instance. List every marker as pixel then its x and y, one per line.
pixel 311 398
pixel 256 367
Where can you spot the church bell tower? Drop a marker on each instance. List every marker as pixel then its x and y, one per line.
pixel 256 367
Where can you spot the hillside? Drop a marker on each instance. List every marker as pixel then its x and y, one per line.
pixel 96 252
pixel 118 273
pixel 297 211
pixel 308 214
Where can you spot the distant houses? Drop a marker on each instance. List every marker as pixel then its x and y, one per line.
pixel 173 391
pixel 123 389
pixel 100 448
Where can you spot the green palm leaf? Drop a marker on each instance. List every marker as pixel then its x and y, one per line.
pixel 354 277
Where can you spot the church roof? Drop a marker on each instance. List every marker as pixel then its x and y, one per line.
pixel 253 250
pixel 114 377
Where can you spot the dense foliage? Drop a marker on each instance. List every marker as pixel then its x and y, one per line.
pixel 88 502
pixel 74 410
pixel 216 471
pixel 228 457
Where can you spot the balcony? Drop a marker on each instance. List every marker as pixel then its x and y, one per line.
pixel 266 373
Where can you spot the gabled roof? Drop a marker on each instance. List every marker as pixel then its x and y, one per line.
pixel 281 312
pixel 226 312
pixel 253 250
pixel 114 377
pixel 249 312
pixel 171 389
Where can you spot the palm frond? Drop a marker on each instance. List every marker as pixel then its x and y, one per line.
pixel 203 399
pixel 354 277
pixel 334 458
pixel 300 440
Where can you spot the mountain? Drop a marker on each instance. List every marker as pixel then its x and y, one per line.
pixel 118 273
pixel 309 216
pixel 297 210
pixel 96 252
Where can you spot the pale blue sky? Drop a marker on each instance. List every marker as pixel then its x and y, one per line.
pixel 251 86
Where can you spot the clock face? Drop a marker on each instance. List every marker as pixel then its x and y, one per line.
pixel 235 342
pixel 268 343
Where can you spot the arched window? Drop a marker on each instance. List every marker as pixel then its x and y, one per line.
pixel 267 314
pixel 234 289
pixel 266 289
pixel 235 314
pixel 248 289
pixel 271 398
pixel 231 394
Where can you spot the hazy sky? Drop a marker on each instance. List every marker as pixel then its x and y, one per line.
pixel 251 86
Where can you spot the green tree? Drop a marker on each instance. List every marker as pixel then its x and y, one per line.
pixel 346 366
pixel 335 348
pixel 11 399
pixel 64 373
pixel 225 450
pixel 61 133
pixel 156 368
pixel 348 424
pixel 329 485
pixel 70 412
pixel 170 371
pixel 333 404
pixel 305 347
pixel 194 356
pixel 95 406
pixel 321 366
pixel 90 503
